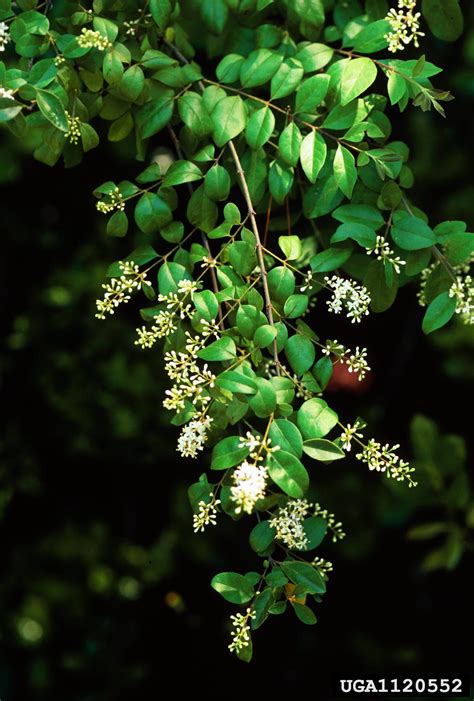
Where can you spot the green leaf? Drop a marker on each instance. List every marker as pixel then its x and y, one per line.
pixel 229 118
pixel 315 56
pixel 372 38
pixel 286 79
pixel 181 172
pixel 300 353
pixel 459 248
pixel 264 336
pixel 310 11
pixel 313 154
pixel 289 144
pixel 117 224
pixel 154 115
pixel 315 419
pixel 263 403
pixel 236 381
pixel 169 275
pixel 295 306
pixel 161 12
pixel 411 233
pixel 382 294
pixel 262 536
pixel 280 181
pixel 359 214
pixel 444 18
pixel 217 183
pixel 228 70
pixel 206 304
pixel 281 283
pixel 242 257
pixel 194 114
pixel 360 233
pixel 214 14
pixel 202 211
pixel 311 93
pixel 304 575
pixel 304 613
pixel 233 587
pixel 323 450
pixel 288 473
pixel 260 127
pixel 222 349
pixel 51 107
pixel 315 529
pixel 330 259
pixel 345 171
pixel 259 67
pixel 291 246
pixel 397 87
pixel 151 213
pixel 439 312
pixel 228 453
pixel 357 76
pixel 261 607
pixel 285 434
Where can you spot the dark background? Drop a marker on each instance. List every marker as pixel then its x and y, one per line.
pixel 104 591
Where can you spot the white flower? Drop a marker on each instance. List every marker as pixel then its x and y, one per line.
pixel 384 253
pixel 114 201
pixel 207 514
pixel 249 486
pixel 333 525
pixel 74 129
pixel 4 36
pixel 288 524
pixel 118 290
pixel 308 281
pixel 89 39
pixel 355 299
pixel 348 434
pixel 463 291
pixel 357 362
pixel 383 458
pixel 405 26
pixel 7 94
pixel 241 633
pixel 193 436
pixel 334 348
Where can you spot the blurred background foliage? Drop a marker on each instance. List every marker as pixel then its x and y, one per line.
pixel 105 591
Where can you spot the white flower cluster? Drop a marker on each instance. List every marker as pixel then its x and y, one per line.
pixel 463 291
pixel 405 26
pixel 323 566
pixel 240 634
pixel 190 381
pixel 257 445
pixel 250 481
pixel 307 282
pixel 348 295
pixel 131 27
pixel 383 458
pixel 4 35
pixel 7 94
pixel 356 362
pixel 193 436
pixel 384 253
pixel 207 514
pixel 333 525
pixel 165 323
pixel 115 201
pixel 288 524
pixel 89 39
pixel 119 290
pixel 349 433
pixel 73 133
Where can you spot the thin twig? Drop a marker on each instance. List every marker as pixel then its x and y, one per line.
pixel 261 260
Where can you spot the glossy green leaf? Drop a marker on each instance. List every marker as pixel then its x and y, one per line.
pixel 229 118
pixel 222 349
pixel 304 575
pixel 315 419
pixel 439 312
pixel 345 171
pixel 357 76
pixel 288 473
pixel 313 154
pixel 286 434
pixel 312 93
pixel 227 453
pixel 323 450
pixel 233 587
pixel 260 127
pixel 259 67
pixel 286 79
pixel 181 172
pixel 300 353
pixel 152 212
pixel 217 183
pixel 411 233
pixel 289 144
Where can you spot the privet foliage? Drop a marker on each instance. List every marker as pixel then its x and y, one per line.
pixel 285 191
